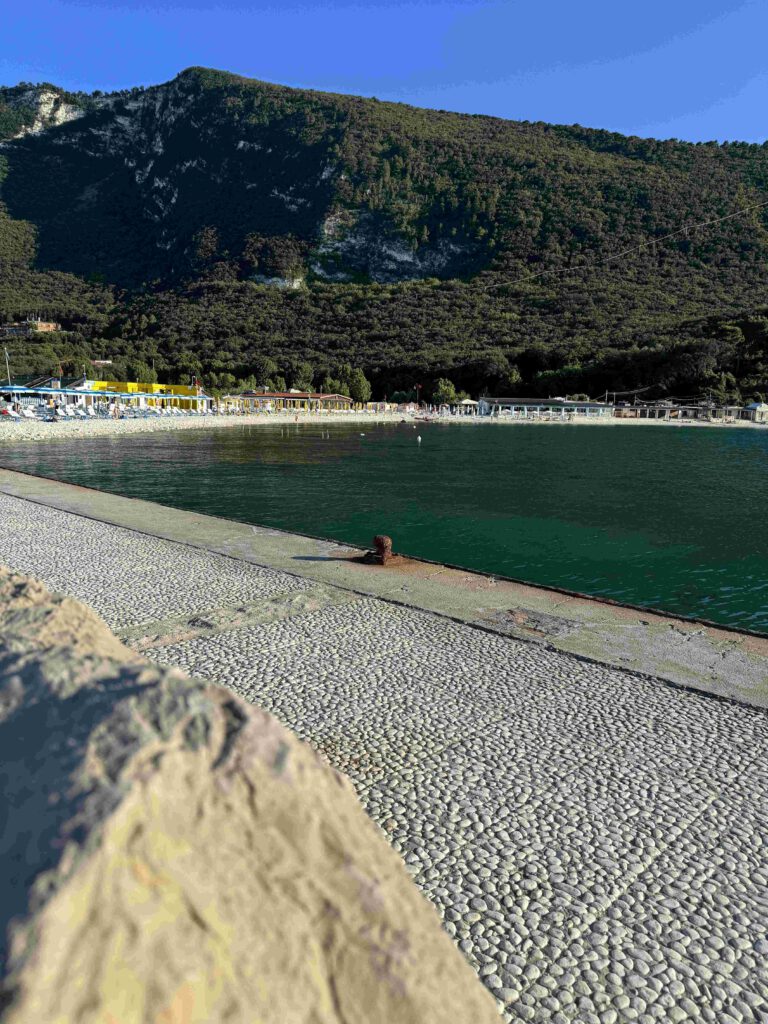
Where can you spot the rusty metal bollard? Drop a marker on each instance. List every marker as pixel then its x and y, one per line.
pixel 382 550
pixel 383 547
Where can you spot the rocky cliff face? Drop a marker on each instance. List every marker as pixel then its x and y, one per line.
pixel 157 165
pixel 171 853
pixel 357 244
pixel 38 107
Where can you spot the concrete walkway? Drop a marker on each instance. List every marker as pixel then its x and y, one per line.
pixel 693 654
pixel 594 839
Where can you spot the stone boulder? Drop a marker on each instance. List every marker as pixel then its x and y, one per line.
pixel 172 854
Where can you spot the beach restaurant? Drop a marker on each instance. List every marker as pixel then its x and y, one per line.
pixel 285 401
pixel 178 396
pixel 542 408
pixel 98 395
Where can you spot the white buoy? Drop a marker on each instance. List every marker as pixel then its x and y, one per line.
pixel 419 438
pixel 362 435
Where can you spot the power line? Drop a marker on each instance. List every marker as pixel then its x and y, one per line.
pixel 632 391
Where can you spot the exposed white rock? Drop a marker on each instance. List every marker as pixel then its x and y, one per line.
pixel 292 203
pixel 353 241
pixel 50 110
pixel 199 163
pixel 290 283
pixel 143 173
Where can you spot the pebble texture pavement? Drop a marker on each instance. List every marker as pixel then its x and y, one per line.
pixel 595 841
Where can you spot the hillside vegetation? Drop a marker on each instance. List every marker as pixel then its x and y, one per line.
pixel 235 229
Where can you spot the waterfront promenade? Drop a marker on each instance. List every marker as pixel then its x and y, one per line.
pixel 594 838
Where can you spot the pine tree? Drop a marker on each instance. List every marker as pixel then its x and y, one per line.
pixel 359 386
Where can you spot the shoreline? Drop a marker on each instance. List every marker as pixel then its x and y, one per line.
pixel 29 430
pixel 26 430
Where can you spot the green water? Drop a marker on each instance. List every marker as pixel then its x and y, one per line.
pixel 672 518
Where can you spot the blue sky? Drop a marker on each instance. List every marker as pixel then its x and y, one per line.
pixel 690 69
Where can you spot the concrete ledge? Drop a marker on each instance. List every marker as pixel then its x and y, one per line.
pixel 693 654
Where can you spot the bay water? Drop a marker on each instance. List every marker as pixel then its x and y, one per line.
pixel 673 518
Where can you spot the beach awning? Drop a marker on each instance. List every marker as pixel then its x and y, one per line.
pixel 48 391
pixel 21 390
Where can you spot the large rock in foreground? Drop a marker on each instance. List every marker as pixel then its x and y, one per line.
pixel 172 855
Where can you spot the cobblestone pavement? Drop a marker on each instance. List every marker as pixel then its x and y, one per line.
pixel 596 842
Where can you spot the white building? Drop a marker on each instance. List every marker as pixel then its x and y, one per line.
pixel 542 408
pixel 757 412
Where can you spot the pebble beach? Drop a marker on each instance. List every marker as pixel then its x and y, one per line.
pixel 39 430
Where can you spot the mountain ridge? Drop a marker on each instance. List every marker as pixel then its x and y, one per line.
pixel 214 220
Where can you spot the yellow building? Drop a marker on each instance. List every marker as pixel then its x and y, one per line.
pixel 179 396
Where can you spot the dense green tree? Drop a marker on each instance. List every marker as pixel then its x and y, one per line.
pixel 359 386
pixel 512 380
pixel 263 369
pixel 140 371
pixel 333 386
pixel 205 247
pixel 221 383
pixel 444 392
pixel 302 377
pixel 402 397
pixel 281 256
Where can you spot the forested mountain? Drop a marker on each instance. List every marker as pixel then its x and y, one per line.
pixel 235 229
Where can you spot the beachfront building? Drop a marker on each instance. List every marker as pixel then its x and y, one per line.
pixel 104 396
pixel 673 411
pixel 543 408
pixel 757 412
pixel 726 413
pixel 375 407
pixel 187 397
pixel 465 407
pixel 284 401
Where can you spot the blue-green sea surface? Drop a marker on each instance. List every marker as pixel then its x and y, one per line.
pixel 672 518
